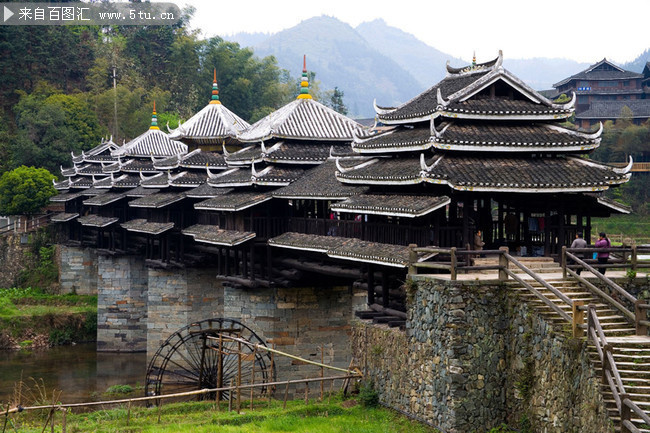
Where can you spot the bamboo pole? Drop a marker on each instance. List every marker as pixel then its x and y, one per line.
pixel 63 421
pixel 288 355
pixel 230 397
pixel 322 371
pixel 239 377
pixel 268 389
pixel 182 394
pixel 253 375
pixel 286 394
pixel 128 413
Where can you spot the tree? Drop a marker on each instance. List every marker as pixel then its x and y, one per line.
pixel 335 101
pixel 25 190
pixel 50 126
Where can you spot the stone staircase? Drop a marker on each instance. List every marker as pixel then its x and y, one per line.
pixel 631 353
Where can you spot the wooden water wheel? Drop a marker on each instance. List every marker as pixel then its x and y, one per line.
pixel 202 356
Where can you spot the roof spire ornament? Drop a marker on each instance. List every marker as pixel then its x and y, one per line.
pixel 304 81
pixel 154 118
pixel 474 59
pixel 215 90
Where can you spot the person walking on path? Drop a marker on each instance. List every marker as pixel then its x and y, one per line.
pixel 603 242
pixel 579 242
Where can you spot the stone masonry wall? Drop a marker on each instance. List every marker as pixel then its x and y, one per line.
pixel 177 298
pixel 299 321
pixel 77 270
pixel 474 357
pixel 121 304
pixel 12 259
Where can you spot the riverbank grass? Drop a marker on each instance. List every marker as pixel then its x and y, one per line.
pixel 31 318
pixel 204 417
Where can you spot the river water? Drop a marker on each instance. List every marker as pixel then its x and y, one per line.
pixel 80 372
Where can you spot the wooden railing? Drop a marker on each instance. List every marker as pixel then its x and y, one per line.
pixel 610 374
pixel 637 314
pixel 396 234
pixel 24 224
pixel 454 265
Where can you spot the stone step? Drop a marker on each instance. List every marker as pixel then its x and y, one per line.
pixel 640 399
pixel 629 374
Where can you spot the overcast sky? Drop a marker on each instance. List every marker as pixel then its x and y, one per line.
pixel 582 30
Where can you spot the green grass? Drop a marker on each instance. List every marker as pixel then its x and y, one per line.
pixel 202 417
pixel 33 302
pixel 59 319
pixel 634 226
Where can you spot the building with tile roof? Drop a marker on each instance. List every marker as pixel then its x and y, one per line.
pixel 602 90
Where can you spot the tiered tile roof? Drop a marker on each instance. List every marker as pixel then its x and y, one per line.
pixel 144 226
pixel 96 221
pixel 216 236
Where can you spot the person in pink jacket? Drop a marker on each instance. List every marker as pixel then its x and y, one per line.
pixel 603 242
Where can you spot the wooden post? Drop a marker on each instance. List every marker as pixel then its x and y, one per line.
pixel 286 395
pixel 413 258
pixel 454 264
pixel 639 315
pixel 253 374
pixel 306 392
pixel 371 284
pixel 634 257
pixel 220 367
pixel 128 413
pixel 503 264
pixel 625 412
pixel 268 389
pixel 322 371
pixel 52 424
pixel 159 411
pixel 563 262
pixel 578 318
pixel 64 421
pixel 230 396
pixel 239 376
pixel 605 367
pixel 384 289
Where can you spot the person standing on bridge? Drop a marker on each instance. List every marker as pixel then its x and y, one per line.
pixel 579 242
pixel 603 242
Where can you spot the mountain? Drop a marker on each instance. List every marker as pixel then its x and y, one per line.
pixel 377 61
pixel 638 64
pixel 342 58
pixel 425 63
pixel 541 73
pixel 247 39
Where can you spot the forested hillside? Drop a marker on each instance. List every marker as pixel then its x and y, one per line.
pixel 57 94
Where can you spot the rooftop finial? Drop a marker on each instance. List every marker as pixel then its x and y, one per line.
pixel 154 118
pixel 215 90
pixel 474 59
pixel 304 82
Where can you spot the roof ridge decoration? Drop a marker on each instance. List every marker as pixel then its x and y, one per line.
pixel 221 174
pixel 627 168
pixel 145 178
pixel 586 135
pixel 215 90
pixel 427 168
pixel 619 170
pixel 304 81
pixel 476 67
pixel 154 117
pixel 267 151
pixel 257 174
pixel 342 169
